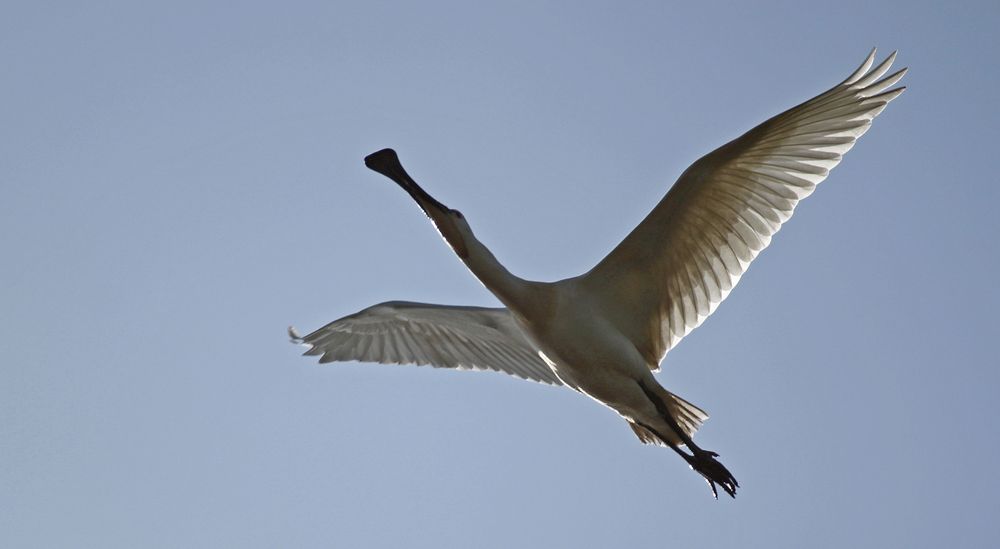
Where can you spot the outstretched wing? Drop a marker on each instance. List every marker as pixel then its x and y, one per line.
pixel 674 269
pixel 401 332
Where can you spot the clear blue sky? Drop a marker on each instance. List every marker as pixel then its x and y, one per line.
pixel 181 181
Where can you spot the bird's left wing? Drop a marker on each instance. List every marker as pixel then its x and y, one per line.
pixel 402 332
pixel 674 269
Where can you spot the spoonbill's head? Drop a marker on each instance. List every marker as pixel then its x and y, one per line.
pixel 450 223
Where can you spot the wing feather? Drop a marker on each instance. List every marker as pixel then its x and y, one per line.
pixel 400 332
pixel 692 249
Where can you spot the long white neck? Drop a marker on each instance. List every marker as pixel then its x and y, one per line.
pixel 510 289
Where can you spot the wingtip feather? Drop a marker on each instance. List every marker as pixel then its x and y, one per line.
pixel 875 73
pixel 862 70
pixel 856 75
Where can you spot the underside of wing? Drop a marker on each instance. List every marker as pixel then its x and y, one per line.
pixel 401 332
pixel 675 268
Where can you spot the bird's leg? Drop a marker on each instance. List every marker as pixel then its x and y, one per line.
pixel 702 461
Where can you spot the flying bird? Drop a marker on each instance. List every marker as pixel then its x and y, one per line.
pixel 605 332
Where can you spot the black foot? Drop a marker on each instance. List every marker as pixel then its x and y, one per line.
pixel 706 465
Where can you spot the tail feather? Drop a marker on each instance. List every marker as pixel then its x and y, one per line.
pixel 645 435
pixel 688 416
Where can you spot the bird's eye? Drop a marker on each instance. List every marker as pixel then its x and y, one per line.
pixel 458 214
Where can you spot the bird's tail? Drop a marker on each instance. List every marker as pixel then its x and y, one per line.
pixel 688 416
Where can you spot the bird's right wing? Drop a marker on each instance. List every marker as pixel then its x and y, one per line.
pixel 443 336
pixel 675 268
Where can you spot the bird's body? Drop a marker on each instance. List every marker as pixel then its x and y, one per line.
pixel 604 333
pixel 588 352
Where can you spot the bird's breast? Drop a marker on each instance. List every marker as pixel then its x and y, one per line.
pixel 582 346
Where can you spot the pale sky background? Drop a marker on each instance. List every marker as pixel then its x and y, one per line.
pixel 180 181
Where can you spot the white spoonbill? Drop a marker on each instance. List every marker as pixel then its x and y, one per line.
pixel 604 333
